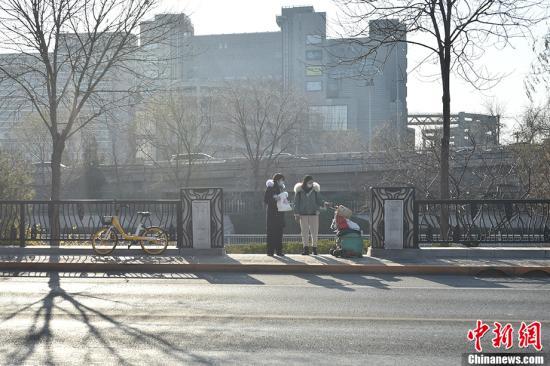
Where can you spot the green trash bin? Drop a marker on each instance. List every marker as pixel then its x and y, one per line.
pixel 351 244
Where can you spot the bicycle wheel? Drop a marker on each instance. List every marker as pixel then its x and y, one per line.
pixel 104 243
pixel 160 242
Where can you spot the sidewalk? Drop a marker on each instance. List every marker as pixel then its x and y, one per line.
pixel 64 261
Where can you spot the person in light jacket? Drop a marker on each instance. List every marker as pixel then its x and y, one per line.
pixel 307 204
pixel 275 220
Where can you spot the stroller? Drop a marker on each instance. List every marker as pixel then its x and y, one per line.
pixel 349 241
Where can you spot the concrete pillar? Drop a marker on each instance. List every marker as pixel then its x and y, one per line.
pixel 392 219
pixel 202 220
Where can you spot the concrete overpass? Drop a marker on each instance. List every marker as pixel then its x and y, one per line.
pixel 342 173
pixel 338 173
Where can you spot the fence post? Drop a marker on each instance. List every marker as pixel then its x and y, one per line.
pixel 203 219
pixel 415 224
pixel 179 224
pixel 21 224
pixel 392 218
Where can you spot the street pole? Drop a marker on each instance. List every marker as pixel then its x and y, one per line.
pixel 371 89
pixel 397 122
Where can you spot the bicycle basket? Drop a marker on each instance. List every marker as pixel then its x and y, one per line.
pixel 107 220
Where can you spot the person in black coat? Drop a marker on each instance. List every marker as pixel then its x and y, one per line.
pixel 275 220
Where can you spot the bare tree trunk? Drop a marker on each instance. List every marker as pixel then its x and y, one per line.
pixel 256 175
pixel 117 176
pixel 57 153
pixel 115 164
pixel 445 141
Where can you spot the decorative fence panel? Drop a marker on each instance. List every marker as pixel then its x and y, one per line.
pixel 472 222
pixel 24 221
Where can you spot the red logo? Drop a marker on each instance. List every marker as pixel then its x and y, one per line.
pixel 477 333
pixel 503 335
pixel 528 335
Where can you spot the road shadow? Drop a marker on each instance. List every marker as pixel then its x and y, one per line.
pixel 286 259
pixel 229 278
pixel 467 281
pixel 40 332
pixel 324 282
pixel 381 282
pixel 327 260
pixel 334 281
pixel 211 277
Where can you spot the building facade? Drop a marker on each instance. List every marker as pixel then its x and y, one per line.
pixel 346 88
pixel 106 117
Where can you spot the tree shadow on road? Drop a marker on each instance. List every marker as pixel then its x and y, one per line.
pixel 229 278
pixel 467 281
pixel 380 282
pixel 330 281
pixel 211 277
pixel 40 332
pixel 324 282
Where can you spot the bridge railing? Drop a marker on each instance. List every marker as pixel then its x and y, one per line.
pixel 474 222
pixel 29 221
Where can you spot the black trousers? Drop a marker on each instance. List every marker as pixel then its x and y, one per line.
pixel 274 240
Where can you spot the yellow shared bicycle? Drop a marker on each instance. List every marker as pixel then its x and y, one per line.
pixel 153 239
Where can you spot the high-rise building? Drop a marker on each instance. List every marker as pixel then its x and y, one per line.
pixel 105 116
pixel 346 86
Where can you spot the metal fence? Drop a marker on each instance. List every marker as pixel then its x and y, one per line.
pixel 474 222
pixel 243 239
pixel 251 205
pixel 27 221
pixel 470 222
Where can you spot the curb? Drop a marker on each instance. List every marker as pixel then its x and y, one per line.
pixel 119 251
pixel 412 269
pixel 466 253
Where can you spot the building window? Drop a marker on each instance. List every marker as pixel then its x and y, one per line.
pixel 314 55
pixel 329 117
pixel 314 71
pixel 313 86
pixel 313 39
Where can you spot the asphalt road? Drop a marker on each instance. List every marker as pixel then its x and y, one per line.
pixel 164 319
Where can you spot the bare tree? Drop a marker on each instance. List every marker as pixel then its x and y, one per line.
pixel 65 52
pixel 174 128
pixel 454 32
pixel 534 126
pixel 33 142
pixel 540 69
pixel 475 172
pixel 495 108
pixel 264 120
pixel 15 178
pixel 32 139
pixel 532 151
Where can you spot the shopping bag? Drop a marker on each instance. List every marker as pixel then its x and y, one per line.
pixel 282 202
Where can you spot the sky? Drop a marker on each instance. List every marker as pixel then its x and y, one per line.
pixel 424 92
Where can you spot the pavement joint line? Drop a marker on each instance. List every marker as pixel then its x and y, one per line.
pixel 366 287
pixel 300 317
